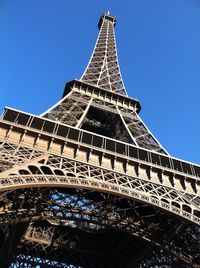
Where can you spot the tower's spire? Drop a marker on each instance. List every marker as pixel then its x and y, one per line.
pixel 103 68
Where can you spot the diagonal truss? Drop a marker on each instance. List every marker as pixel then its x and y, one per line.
pixel 103 68
pixel 100 91
pixel 136 181
pixel 118 116
pixel 86 184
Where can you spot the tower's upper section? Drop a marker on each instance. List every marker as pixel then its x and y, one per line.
pixel 103 68
pixel 106 16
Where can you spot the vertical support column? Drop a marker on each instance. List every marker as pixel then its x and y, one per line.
pixel 10 240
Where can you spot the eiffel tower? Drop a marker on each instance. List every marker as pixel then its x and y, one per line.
pixel 86 184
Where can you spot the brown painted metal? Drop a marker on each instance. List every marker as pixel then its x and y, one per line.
pixel 86 184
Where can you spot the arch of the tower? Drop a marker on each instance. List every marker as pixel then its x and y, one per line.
pixel 65 173
pixel 86 184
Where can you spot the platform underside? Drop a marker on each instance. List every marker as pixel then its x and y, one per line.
pixel 77 228
pixel 87 185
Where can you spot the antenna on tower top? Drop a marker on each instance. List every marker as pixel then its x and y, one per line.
pixel 108 12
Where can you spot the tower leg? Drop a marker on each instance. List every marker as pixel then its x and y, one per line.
pixel 10 239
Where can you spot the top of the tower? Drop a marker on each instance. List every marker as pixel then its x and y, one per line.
pixel 103 68
pixel 106 16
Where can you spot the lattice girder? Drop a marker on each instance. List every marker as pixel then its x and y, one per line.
pixel 14 154
pixel 103 69
pixel 69 173
pixel 185 184
pixel 62 245
pixel 115 212
pixel 52 170
pixel 74 109
pixel 110 241
pixel 85 177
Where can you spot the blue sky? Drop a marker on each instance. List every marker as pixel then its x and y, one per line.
pixel 45 43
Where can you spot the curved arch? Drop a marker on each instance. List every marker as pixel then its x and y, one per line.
pixel 23 172
pixel 34 169
pixel 196 213
pixel 71 174
pixel 59 172
pixel 175 204
pixel 186 208
pixel 51 180
pixel 165 201
pixel 46 170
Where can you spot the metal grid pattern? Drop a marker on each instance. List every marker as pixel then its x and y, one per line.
pixel 52 170
pixel 103 68
pixel 74 107
pixel 83 189
pixel 63 227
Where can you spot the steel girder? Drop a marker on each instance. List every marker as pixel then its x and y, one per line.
pixel 74 109
pixel 54 171
pixel 71 166
pixel 86 184
pixel 103 68
pixel 98 214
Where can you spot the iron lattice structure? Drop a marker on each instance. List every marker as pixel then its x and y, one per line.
pixel 86 184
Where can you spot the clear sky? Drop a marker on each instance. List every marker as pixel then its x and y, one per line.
pixel 45 43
